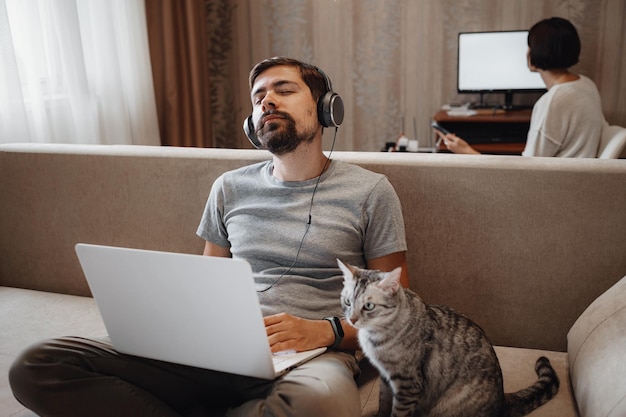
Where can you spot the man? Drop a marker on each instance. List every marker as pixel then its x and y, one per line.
pixel 290 217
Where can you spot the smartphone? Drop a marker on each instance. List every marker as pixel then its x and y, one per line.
pixel 440 128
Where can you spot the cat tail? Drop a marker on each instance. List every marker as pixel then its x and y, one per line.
pixel 526 400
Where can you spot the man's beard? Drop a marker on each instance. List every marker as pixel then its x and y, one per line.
pixel 282 137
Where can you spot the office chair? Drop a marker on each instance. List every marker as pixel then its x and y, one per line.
pixel 612 142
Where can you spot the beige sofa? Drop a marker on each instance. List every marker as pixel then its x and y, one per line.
pixel 521 245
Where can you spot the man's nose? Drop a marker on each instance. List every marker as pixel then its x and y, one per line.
pixel 269 101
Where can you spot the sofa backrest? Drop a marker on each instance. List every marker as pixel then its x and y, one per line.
pixel 520 245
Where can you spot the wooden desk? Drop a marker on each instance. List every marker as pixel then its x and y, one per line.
pixel 490 131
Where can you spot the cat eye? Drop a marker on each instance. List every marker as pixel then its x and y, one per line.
pixel 369 306
pixel 346 302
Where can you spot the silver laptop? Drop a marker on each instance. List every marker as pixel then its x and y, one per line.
pixel 193 310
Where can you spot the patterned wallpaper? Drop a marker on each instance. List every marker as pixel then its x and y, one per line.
pixel 394 61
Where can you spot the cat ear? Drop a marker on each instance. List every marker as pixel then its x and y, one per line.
pixel 347 270
pixel 391 282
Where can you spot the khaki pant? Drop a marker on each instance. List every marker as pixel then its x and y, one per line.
pixel 81 377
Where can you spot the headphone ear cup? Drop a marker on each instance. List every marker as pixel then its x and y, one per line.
pixel 330 110
pixel 248 128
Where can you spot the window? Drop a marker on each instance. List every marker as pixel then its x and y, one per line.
pixel 76 71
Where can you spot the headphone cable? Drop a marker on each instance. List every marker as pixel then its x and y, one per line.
pixel 308 223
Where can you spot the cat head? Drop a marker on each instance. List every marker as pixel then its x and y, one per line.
pixel 369 297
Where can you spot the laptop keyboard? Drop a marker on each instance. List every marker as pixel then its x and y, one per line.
pixel 281 357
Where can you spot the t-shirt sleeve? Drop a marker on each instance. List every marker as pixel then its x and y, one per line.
pixel 212 227
pixel 384 223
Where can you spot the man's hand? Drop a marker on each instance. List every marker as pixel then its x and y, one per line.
pixel 286 332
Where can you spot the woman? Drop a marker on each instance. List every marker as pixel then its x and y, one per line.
pixel 566 121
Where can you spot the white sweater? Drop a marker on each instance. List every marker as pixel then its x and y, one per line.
pixel 567 121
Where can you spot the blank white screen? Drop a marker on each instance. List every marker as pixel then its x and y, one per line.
pixel 495 61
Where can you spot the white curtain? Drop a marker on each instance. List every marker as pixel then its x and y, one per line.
pixel 76 71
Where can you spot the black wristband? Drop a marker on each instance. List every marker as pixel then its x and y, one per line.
pixel 337 329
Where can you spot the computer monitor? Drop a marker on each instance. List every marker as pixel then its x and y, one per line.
pixel 495 62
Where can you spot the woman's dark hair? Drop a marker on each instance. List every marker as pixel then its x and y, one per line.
pixel 310 74
pixel 554 44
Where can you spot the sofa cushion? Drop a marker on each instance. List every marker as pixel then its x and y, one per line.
pixel 518 371
pixel 597 355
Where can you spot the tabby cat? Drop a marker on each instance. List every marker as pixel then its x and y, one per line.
pixel 432 360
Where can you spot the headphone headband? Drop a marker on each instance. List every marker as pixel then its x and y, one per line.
pixel 330 112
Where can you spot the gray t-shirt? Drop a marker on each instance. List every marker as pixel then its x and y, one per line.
pixel 355 216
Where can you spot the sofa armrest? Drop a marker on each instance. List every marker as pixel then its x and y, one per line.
pixel 597 355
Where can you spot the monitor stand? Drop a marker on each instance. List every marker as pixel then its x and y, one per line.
pixel 482 105
pixel 508 103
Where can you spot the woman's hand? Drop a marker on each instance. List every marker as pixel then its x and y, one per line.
pixel 456 144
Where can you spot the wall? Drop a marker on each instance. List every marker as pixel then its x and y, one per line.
pixel 394 61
